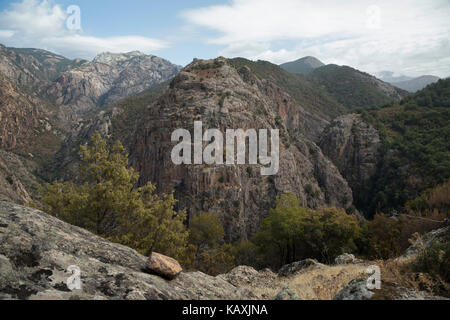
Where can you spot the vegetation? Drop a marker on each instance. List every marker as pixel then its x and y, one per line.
pixel 416 138
pixel 350 87
pixel 292 233
pixel 108 204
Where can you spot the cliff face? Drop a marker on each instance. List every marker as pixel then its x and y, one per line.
pixel 224 97
pixel 355 148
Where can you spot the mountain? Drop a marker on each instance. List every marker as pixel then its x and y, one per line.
pixel 409 84
pixel 416 84
pixel 302 66
pixel 391 77
pixel 108 79
pixel 42 98
pixel 354 89
pixel 222 93
pixel 225 96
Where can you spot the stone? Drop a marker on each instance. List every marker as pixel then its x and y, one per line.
pixel 163 266
pixel 345 258
pixel 355 290
pixel 296 267
pixel 287 294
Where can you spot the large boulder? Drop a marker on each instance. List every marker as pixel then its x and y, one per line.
pixel 164 266
pixel 295 267
pixel 287 294
pixel 355 290
pixel 346 258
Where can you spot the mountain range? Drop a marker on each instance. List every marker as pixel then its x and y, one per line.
pixel 329 155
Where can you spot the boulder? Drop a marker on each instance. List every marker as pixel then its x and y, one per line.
pixel 296 267
pixel 355 290
pixel 287 294
pixel 346 258
pixel 163 266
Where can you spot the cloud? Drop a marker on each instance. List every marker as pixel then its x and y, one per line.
pixel 42 24
pixel 403 36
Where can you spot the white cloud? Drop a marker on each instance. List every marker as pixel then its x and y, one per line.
pixel 408 36
pixel 42 24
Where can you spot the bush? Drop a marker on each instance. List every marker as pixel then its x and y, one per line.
pixel 293 233
pixel 435 261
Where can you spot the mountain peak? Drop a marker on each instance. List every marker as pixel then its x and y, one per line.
pixel 303 65
pixel 109 57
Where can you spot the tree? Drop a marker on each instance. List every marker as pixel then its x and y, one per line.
pixel 109 204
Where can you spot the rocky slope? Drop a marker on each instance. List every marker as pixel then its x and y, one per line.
pixel 226 97
pixel 37 250
pixel 355 148
pixel 108 79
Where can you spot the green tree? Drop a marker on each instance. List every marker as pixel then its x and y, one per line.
pixel 109 204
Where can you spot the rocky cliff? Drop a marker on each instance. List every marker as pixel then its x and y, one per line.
pixel 225 97
pixel 355 148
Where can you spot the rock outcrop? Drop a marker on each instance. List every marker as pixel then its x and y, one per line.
pixel 36 251
pixel 223 97
pixel 355 148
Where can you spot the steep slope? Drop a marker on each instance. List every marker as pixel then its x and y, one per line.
pixel 304 65
pixel 354 89
pixel 391 155
pixel 306 93
pixel 108 79
pixel 33 68
pixel 224 96
pixel 416 84
pixel 28 124
pixel 416 134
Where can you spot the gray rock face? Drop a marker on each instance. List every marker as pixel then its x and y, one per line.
pixel 36 250
pixel 355 148
pixel 108 79
pixel 224 97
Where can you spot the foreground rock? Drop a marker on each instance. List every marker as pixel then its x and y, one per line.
pixel 163 266
pixel 287 294
pixel 356 290
pixel 36 250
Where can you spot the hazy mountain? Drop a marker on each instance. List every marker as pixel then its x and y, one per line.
pixel 390 77
pixel 409 84
pixel 416 84
pixel 302 66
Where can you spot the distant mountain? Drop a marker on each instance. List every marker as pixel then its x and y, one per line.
pixel 109 78
pixel 302 66
pixel 409 84
pixel 353 88
pixel 390 77
pixel 416 84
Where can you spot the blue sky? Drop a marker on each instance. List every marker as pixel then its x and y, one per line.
pixel 409 37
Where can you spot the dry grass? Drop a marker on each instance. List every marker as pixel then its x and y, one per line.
pixel 314 283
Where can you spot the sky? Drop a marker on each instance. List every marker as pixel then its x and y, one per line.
pixel 407 37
